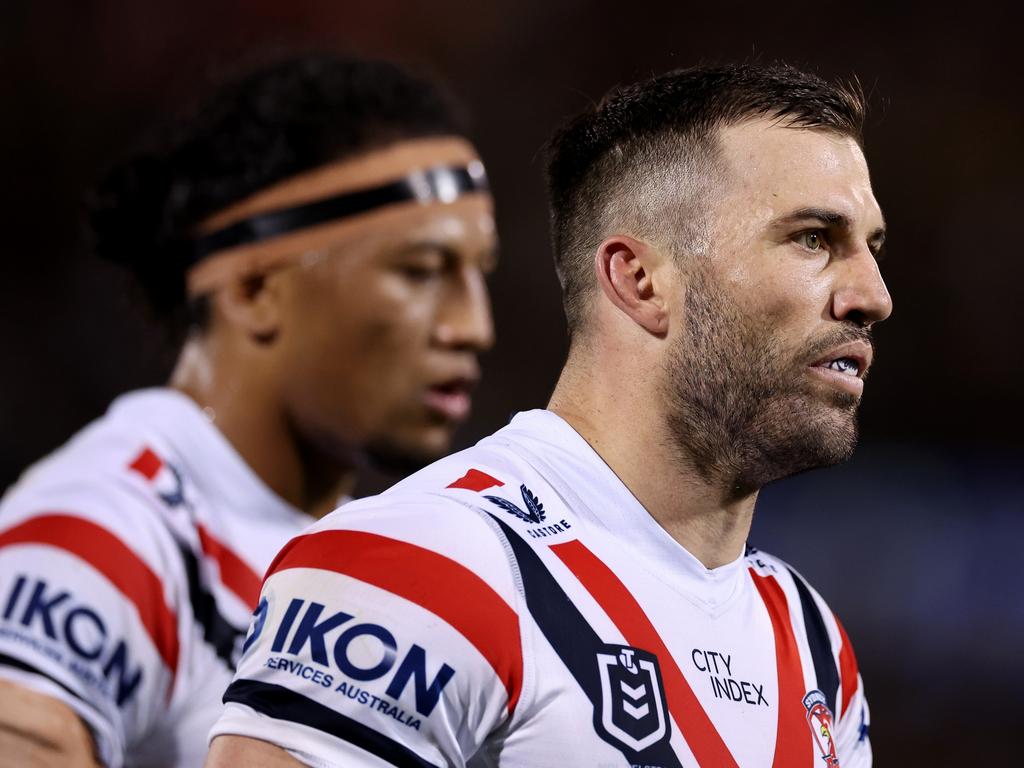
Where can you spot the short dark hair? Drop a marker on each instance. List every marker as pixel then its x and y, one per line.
pixel 284 118
pixel 661 134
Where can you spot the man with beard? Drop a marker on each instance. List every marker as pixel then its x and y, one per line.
pixel 576 589
pixel 322 229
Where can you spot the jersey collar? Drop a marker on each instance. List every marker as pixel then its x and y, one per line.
pixel 579 473
pixel 204 453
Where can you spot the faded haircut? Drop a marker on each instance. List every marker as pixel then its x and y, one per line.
pixel 645 161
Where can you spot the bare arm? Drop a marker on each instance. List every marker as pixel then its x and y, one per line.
pixel 38 731
pixel 232 751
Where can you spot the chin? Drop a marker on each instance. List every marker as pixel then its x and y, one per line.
pixel 801 439
pixel 403 456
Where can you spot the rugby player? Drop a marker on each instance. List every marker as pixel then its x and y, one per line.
pixel 576 590
pixel 326 229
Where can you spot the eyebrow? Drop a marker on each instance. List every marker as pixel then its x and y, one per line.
pixel 447 250
pixel 832 219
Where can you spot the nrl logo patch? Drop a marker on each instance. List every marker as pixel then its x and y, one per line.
pixel 819 718
pixel 631 712
pixel 535 510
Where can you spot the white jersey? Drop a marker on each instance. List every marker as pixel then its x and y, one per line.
pixel 514 605
pixel 130 563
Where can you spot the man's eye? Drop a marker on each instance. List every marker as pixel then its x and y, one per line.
pixel 419 271
pixel 814 240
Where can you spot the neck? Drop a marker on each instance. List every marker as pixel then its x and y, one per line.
pixel 242 406
pixel 709 520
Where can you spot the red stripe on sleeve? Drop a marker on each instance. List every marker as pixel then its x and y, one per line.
pixel 447 589
pixel 234 572
pixel 146 464
pixel 620 605
pixel 108 555
pixel 848 672
pixel 475 480
pixel 793 743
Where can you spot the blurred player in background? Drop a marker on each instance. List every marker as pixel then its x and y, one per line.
pixel 580 593
pixel 320 232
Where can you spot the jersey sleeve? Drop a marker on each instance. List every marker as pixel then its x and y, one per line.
pixel 853 742
pixel 388 635
pixel 84 614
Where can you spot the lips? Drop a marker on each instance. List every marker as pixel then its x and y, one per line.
pixel 844 366
pixel 851 359
pixel 451 398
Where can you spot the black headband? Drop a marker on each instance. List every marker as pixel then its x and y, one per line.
pixel 442 184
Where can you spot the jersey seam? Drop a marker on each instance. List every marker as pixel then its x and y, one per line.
pixel 527 689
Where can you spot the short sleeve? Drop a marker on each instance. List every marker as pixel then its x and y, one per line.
pixel 391 641
pixel 84 618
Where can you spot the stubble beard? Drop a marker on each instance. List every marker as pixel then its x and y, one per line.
pixel 741 410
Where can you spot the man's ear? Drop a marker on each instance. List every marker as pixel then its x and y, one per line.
pixel 625 270
pixel 251 304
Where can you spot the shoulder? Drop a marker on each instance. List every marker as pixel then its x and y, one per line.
pixel 795 588
pixel 101 489
pixel 398 612
pixel 435 513
pixel 815 626
pixel 423 536
pixel 779 582
pixel 91 585
pixel 85 525
pixel 104 463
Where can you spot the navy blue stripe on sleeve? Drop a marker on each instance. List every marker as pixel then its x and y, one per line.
pixel 825 670
pixel 283 704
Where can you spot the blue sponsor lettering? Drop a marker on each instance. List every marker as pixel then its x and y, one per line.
pixel 78 628
pixel 549 530
pixel 88 675
pixel 378 704
pixel 365 630
pixel 414 667
pixel 127 679
pixel 39 606
pixel 286 625
pixel 299 669
pixel 311 632
pixel 71 634
pixel 354 692
pixel 259 618
pixel 12 600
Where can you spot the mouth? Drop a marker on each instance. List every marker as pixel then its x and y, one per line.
pixel 844 367
pixel 452 399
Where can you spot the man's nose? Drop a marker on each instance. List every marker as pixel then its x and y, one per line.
pixel 464 320
pixel 860 294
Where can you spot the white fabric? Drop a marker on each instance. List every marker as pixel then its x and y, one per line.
pixel 201 497
pixel 403 571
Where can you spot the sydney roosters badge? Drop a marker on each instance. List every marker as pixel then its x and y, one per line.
pixel 819 718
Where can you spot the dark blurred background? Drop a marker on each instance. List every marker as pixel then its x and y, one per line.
pixel 914 542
